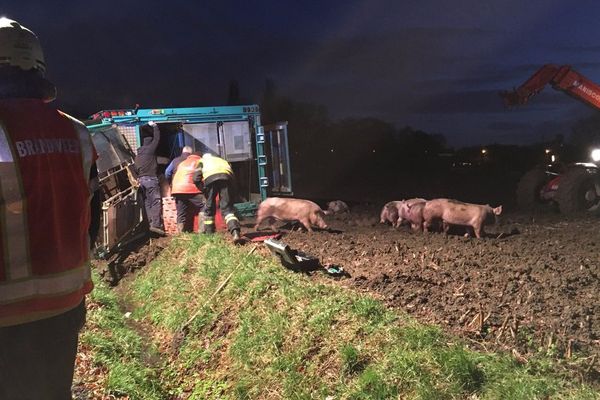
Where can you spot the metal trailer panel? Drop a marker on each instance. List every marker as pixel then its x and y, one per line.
pixel 121 209
pixel 223 114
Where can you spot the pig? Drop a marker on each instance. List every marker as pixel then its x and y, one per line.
pixel 288 209
pixel 411 211
pixel 389 213
pixel 453 212
pixel 337 206
pixel 398 212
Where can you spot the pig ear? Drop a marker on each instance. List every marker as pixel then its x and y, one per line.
pixel 498 210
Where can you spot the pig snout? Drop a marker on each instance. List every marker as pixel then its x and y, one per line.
pixel 318 220
pixel 389 213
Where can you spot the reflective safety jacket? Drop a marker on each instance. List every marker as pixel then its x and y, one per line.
pixel 182 180
pixel 45 161
pixel 214 168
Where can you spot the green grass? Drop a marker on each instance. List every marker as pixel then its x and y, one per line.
pixel 119 349
pixel 272 334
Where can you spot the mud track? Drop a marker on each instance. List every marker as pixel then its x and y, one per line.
pixel 532 284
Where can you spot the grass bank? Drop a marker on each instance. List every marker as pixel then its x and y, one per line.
pixel 273 334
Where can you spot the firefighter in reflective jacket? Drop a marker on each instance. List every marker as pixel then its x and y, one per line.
pixel 47 178
pixel 188 198
pixel 215 176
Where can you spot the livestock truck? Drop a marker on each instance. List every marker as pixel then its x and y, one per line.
pixel 258 154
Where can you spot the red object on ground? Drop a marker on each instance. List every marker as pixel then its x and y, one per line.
pixel 170 217
pixel 196 225
pixel 261 237
pixel 219 222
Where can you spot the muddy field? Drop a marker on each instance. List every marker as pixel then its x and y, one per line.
pixel 532 284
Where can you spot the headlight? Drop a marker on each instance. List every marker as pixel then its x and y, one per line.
pixel 596 155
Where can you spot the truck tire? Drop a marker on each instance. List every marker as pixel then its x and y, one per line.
pixel 528 189
pixel 578 191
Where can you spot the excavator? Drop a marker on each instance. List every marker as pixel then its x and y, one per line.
pixel 575 187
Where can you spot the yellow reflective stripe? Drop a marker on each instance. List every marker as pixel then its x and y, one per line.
pixel 13 213
pixel 85 142
pixel 230 217
pixel 6 154
pixel 86 148
pixel 32 316
pixel 74 279
pixel 208 222
pixel 87 154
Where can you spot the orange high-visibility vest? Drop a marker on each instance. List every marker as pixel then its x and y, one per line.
pixel 183 178
pixel 45 162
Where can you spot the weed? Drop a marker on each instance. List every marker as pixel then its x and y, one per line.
pixel 372 386
pixel 352 362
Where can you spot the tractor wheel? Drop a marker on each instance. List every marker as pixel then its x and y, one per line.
pixel 529 187
pixel 578 190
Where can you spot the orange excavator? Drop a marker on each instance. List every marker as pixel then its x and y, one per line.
pixel 561 77
pixel 577 186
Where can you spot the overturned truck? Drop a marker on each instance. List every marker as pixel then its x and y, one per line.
pixel 258 154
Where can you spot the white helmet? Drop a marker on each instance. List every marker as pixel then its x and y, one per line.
pixel 20 47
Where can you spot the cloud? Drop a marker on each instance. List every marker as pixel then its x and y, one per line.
pixel 508 126
pixel 472 102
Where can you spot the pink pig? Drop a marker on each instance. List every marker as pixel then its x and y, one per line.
pixel 389 213
pixel 287 209
pixel 411 211
pixel 453 212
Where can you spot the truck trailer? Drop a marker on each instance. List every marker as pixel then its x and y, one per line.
pixel 258 154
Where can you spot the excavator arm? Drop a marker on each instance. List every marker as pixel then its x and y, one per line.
pixel 562 78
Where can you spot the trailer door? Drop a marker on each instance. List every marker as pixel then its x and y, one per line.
pixel 278 159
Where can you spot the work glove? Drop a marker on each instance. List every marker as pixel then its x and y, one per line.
pixel 152 123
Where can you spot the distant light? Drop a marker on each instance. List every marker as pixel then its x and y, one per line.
pixel 547 151
pixel 373 150
pixel 484 151
pixel 596 155
pixel 552 158
pixel 332 150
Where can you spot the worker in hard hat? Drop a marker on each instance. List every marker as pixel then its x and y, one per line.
pixel 216 177
pixel 189 200
pixel 49 213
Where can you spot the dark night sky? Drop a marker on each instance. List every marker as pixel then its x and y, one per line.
pixel 434 65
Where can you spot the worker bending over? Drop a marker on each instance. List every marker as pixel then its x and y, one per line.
pixel 188 198
pixel 214 176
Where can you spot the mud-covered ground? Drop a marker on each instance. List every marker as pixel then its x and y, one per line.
pixel 532 284
pixel 135 256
